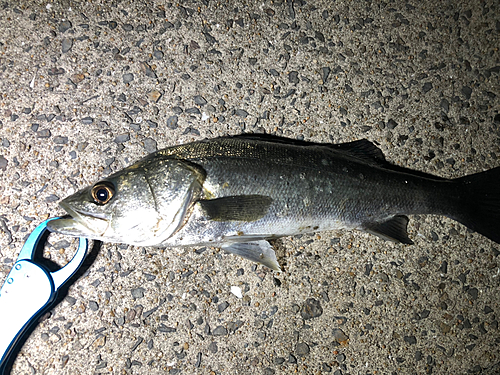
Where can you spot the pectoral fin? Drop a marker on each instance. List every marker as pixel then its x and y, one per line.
pixel 257 251
pixel 236 208
pixel 393 229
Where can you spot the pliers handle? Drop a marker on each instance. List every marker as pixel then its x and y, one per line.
pixel 30 289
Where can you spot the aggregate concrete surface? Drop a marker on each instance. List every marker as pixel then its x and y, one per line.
pixel 89 87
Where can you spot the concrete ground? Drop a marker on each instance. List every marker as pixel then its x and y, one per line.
pixel 87 88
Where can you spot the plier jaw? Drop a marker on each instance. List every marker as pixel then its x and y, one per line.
pixel 30 289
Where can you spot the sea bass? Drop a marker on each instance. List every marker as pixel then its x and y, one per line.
pixel 237 193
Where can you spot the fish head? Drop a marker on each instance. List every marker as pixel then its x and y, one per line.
pixel 143 204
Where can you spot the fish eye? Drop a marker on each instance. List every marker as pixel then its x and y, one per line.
pixel 102 192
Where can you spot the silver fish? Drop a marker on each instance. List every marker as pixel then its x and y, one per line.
pixel 239 192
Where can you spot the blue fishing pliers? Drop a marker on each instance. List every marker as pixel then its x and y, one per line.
pixel 29 291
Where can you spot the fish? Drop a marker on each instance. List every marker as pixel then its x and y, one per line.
pixel 239 193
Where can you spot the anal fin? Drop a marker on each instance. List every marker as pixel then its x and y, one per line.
pixel 393 229
pixel 257 251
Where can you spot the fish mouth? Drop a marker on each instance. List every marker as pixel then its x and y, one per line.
pixel 79 223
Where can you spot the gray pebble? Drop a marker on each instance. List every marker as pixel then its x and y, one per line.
pixel 473 293
pixel 66 45
pixel 134 111
pixel 325 72
pixel 311 309
pixel 128 77
pixel 293 77
pixel 269 371
pixel 172 122
pixel 220 331
pixel 122 98
pixel 424 314
pixel 339 335
pixel 279 360
pixel 193 111
pixel 445 105
pixel 487 310
pixel 64 26
pixel 223 306
pixel 444 267
pixel 122 138
pixel 412 340
pixel 198 360
pixel 163 328
pixel 234 326
pixel 51 198
pixel 127 27
pixel 137 293
pixel 55 72
pixel 241 113
pixel 147 314
pixel 112 25
pixel 101 365
pixel 177 110
pixel 273 72
pixel 391 124
pixel 209 38
pixel 87 120
pixel 467 91
pixel 213 347
pixel 81 146
pixel 200 100
pixel 136 344
pixel 427 87
pixel 3 163
pixel 60 140
pixel 150 145
pixel 148 276
pixel 93 306
pixel 71 300
pixel 158 55
pixel 149 72
pixel 302 349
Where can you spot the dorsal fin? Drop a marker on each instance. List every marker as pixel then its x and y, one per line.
pixel 361 149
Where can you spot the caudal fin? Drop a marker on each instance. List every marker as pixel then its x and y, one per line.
pixel 480 203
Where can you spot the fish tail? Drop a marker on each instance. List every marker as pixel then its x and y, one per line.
pixel 479 203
